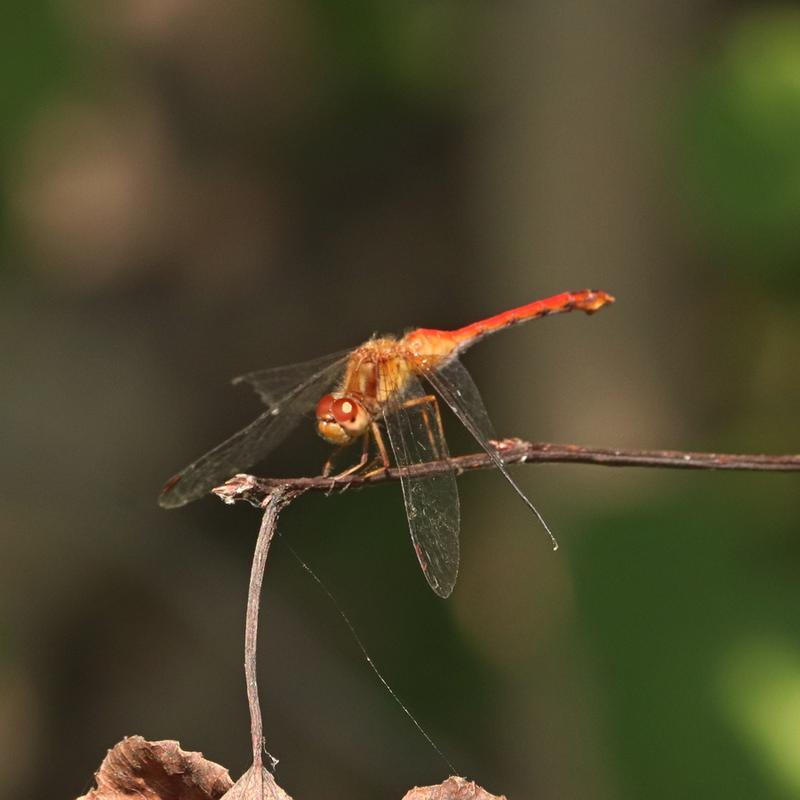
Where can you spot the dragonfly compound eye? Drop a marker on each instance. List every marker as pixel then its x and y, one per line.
pixel 351 415
pixel 345 410
pixel 325 407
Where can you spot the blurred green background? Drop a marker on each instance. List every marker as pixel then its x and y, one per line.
pixel 191 190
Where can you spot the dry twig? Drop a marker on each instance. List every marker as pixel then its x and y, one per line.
pixel 514 451
pixel 257 777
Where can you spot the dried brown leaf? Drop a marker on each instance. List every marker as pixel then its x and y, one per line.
pixel 452 789
pixel 136 768
pixel 256 784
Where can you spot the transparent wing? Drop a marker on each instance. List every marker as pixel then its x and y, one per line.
pixel 458 390
pixel 432 501
pixel 251 444
pixel 274 383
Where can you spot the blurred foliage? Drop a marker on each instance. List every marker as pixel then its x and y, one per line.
pixel 742 145
pixel 36 60
pixel 35 57
pixel 411 51
pixel 680 598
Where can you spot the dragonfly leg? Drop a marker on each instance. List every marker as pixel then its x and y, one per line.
pixel 383 453
pixel 327 467
pixel 431 401
pixel 361 461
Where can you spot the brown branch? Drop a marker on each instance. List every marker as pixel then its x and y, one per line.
pixel 257 777
pixel 513 451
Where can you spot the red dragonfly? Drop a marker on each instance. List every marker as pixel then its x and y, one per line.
pixel 377 389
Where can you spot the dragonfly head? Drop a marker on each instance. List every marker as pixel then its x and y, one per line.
pixel 341 418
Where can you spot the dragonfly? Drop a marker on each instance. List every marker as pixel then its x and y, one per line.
pixel 377 392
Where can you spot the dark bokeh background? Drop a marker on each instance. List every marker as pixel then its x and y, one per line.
pixel 191 190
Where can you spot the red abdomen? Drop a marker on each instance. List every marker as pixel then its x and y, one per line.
pixel 444 342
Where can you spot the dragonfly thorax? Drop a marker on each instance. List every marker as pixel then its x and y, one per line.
pixel 341 418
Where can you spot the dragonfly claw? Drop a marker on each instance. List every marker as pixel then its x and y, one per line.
pixel 371 473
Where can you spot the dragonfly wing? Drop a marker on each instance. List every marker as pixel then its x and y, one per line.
pixel 249 445
pixel 274 383
pixel 431 501
pixel 455 385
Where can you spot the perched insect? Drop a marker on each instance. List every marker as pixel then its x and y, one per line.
pixel 377 386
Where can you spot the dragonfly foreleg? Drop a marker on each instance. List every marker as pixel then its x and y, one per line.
pixel 327 467
pixel 351 470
